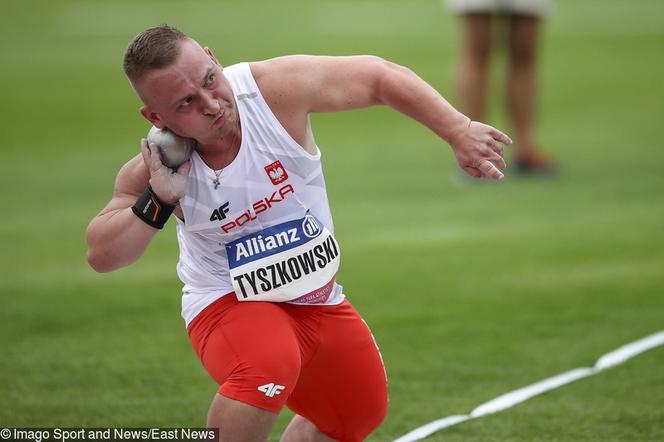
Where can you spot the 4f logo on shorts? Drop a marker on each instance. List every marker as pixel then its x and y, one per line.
pixel 271 389
pixel 276 172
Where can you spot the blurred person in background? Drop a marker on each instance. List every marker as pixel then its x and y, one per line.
pixel 522 20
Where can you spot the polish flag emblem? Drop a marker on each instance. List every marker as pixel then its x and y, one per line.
pixel 276 172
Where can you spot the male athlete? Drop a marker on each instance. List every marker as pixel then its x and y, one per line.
pixel 258 257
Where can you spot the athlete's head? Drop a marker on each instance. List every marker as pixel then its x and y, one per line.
pixel 181 84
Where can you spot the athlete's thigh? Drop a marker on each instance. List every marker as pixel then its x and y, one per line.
pixel 252 352
pixel 342 389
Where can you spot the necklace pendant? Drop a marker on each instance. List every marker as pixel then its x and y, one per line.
pixel 215 180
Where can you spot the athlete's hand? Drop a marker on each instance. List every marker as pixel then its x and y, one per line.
pixel 168 185
pixel 479 150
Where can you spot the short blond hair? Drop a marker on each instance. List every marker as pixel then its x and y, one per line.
pixel 154 48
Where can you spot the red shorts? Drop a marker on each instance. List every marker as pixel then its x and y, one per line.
pixel 320 361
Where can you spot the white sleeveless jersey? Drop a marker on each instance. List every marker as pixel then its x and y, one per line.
pixel 265 234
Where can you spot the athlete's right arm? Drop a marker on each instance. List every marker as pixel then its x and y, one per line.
pixel 116 236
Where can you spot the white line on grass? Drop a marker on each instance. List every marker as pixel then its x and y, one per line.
pixel 507 400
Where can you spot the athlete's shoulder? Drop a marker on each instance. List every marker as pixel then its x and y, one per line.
pixel 281 70
pixel 281 80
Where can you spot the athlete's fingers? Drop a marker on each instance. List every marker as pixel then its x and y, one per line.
pixel 155 161
pixel 184 168
pixel 498 135
pixel 496 146
pixel 497 161
pixel 489 169
pixel 145 152
pixel 473 172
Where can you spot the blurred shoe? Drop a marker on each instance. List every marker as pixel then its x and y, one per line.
pixel 536 163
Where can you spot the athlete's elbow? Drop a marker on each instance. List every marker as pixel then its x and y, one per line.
pixel 386 68
pixel 96 263
pixel 107 259
pixel 94 256
pixel 376 69
pixel 99 262
pixel 99 256
pixel 389 79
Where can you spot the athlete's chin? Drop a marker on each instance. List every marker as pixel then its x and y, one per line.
pixel 212 137
pixel 224 131
pixel 221 134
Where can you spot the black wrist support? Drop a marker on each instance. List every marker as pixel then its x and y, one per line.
pixel 153 211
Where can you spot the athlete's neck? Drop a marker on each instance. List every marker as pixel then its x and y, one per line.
pixel 220 153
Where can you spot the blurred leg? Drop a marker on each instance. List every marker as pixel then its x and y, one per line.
pixel 521 80
pixel 239 422
pixel 473 66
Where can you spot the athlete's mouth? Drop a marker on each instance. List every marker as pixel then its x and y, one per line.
pixel 221 118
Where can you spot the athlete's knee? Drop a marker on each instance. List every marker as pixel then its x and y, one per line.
pixel 372 408
pixel 360 420
pixel 372 418
pixel 237 420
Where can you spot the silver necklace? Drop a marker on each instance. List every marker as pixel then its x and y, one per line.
pixel 215 181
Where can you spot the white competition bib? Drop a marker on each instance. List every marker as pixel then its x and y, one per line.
pixel 295 261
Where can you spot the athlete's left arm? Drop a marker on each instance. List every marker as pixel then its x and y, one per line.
pixel 330 84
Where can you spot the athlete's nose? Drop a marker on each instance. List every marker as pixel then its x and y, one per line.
pixel 211 105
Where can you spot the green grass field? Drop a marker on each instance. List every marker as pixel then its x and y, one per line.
pixel 471 290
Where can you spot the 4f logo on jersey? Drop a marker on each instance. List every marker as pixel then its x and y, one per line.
pixel 271 389
pixel 276 172
pixel 220 213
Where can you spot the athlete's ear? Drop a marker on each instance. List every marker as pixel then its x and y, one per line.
pixel 208 51
pixel 152 117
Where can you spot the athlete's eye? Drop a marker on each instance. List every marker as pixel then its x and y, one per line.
pixel 184 104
